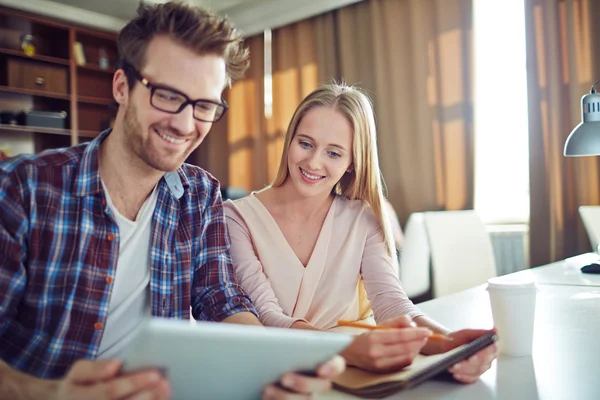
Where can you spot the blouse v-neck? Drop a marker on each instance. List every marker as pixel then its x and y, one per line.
pixel 273 226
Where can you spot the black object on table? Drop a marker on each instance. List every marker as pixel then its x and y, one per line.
pixel 591 268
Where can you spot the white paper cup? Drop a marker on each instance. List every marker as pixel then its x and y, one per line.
pixel 513 309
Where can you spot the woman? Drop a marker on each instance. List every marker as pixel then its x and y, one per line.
pixel 304 247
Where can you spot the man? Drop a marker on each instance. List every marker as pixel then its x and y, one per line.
pixel 96 237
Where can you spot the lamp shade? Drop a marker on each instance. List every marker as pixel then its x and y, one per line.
pixel 584 140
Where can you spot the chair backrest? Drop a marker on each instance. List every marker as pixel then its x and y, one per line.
pixel 591 220
pixel 415 257
pixel 461 251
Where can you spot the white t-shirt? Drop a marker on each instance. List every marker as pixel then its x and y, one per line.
pixel 130 297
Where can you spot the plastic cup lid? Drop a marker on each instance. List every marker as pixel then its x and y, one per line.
pixel 511 284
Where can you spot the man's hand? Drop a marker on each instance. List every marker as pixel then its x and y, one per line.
pixel 295 386
pixel 387 350
pixel 99 380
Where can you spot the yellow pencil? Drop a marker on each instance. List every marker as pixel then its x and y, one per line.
pixel 433 336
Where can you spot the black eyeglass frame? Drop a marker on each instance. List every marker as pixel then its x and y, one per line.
pixel 152 87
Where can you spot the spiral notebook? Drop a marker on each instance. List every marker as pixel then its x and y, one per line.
pixel 374 386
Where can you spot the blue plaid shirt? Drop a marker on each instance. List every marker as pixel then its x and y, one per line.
pixel 59 249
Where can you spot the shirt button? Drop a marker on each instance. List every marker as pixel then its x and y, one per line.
pixel 97 326
pixel 110 237
pixel 103 202
pixel 109 279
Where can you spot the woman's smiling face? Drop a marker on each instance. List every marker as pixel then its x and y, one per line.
pixel 320 152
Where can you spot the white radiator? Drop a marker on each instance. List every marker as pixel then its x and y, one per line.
pixel 511 244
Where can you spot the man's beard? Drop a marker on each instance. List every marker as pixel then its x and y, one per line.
pixel 134 141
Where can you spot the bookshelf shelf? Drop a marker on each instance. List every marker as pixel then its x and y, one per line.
pixel 32 92
pixel 46 59
pixel 34 129
pixel 94 100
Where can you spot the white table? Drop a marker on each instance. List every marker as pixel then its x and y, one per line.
pixel 566 354
pixel 567 272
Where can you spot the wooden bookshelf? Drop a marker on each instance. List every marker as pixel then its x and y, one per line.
pixel 83 91
pixel 20 54
pixel 32 92
pixel 34 129
pixel 89 133
pixel 95 100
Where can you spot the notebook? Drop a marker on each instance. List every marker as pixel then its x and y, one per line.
pixel 374 386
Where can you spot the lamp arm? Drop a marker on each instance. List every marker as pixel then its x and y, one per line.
pixel 593 89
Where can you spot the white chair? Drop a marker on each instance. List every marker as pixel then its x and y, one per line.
pixel 447 251
pixel 415 257
pixel 461 251
pixel 591 220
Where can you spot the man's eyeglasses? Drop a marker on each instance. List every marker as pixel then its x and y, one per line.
pixel 172 101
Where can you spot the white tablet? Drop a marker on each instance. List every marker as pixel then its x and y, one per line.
pixel 209 360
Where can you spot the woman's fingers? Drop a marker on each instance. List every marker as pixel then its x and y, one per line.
pixel 388 349
pixel 398 335
pixel 385 357
pixel 396 350
pixel 470 369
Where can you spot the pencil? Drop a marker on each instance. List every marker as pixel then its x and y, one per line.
pixel 433 336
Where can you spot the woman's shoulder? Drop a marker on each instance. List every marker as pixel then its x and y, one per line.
pixel 236 209
pixel 356 210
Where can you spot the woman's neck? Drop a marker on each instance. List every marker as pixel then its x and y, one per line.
pixel 286 198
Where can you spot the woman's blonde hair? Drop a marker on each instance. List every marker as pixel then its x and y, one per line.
pixel 364 181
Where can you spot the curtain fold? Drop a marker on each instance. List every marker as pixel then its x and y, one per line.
pixel 246 125
pixel 414 58
pixel 243 150
pixel 233 150
pixel 561 67
pixel 294 76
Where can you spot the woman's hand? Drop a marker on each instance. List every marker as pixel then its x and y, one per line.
pixel 469 370
pixel 387 350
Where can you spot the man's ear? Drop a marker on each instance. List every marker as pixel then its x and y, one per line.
pixel 120 87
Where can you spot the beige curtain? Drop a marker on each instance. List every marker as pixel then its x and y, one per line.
pixel 212 154
pixel 234 148
pixel 414 57
pixel 294 76
pixel 563 62
pixel 245 123
pixel 243 150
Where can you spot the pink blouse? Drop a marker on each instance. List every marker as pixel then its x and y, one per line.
pixel 283 291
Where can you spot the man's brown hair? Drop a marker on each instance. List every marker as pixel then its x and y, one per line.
pixel 192 27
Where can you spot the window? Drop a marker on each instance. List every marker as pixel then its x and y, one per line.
pixel 500 106
pixel 268 82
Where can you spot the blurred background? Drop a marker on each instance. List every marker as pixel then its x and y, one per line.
pixel 474 99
